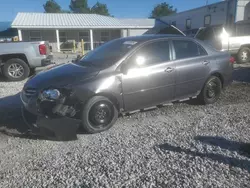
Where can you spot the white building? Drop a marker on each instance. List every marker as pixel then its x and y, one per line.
pixel 224 12
pixel 92 28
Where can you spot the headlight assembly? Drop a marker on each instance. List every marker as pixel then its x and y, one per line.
pixel 50 94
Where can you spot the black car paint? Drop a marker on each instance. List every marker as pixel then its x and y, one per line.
pixel 55 77
pixel 87 81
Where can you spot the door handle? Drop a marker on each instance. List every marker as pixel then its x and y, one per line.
pixel 169 69
pixel 206 62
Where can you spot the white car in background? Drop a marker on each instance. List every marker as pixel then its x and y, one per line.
pixel 227 39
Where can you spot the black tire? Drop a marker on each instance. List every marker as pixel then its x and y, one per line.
pixel 25 70
pixel 98 115
pixel 211 91
pixel 243 55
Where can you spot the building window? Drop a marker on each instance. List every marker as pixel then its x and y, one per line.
pixel 188 24
pixel 174 23
pixel 207 20
pixel 84 35
pixel 35 36
pixel 62 36
pixel 104 36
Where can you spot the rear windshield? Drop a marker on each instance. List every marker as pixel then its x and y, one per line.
pixel 209 33
pixel 205 34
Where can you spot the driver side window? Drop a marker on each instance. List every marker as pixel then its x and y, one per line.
pixel 150 54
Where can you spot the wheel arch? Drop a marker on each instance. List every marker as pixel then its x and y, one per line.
pixel 219 75
pixel 215 73
pixel 4 58
pixel 244 45
pixel 90 94
pixel 203 98
pixel 111 97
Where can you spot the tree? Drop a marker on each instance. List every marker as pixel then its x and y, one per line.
pixel 52 7
pixel 79 6
pixel 101 9
pixel 163 9
pixel 65 11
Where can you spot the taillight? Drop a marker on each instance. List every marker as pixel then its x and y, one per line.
pixel 232 60
pixel 42 49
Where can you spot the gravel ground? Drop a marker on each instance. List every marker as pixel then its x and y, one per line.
pixel 181 145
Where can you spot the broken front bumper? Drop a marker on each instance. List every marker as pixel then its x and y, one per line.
pixel 56 128
pixel 62 128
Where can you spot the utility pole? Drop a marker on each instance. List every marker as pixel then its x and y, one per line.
pixel 206 2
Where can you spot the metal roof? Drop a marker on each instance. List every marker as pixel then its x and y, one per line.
pixel 75 21
pixel 138 22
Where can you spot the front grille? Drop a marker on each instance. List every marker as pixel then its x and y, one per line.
pixel 29 92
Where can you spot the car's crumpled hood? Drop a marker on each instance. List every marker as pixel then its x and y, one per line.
pixel 61 75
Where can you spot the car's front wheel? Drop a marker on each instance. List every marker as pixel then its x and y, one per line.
pixel 211 91
pixel 99 114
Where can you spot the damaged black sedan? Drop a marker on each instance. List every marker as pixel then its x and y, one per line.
pixel 124 75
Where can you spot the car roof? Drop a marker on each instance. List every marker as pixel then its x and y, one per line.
pixel 144 38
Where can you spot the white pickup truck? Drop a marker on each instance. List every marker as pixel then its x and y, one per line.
pixel 19 59
pixel 225 39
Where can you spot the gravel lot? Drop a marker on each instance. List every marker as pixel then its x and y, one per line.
pixel 181 145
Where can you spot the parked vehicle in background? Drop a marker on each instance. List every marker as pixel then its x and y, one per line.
pixel 124 75
pixel 227 39
pixel 18 59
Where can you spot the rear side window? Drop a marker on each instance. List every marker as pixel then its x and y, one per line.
pixel 187 49
pixel 153 53
pixel 202 51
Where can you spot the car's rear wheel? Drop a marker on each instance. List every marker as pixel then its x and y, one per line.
pixel 15 69
pixel 211 91
pixel 99 114
pixel 243 55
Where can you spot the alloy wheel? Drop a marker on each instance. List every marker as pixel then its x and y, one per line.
pixel 15 70
pixel 245 56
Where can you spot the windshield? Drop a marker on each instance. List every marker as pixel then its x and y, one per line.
pixel 109 53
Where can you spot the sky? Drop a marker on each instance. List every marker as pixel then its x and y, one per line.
pixel 118 8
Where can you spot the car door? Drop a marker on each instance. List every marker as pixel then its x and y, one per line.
pixel 192 67
pixel 150 76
